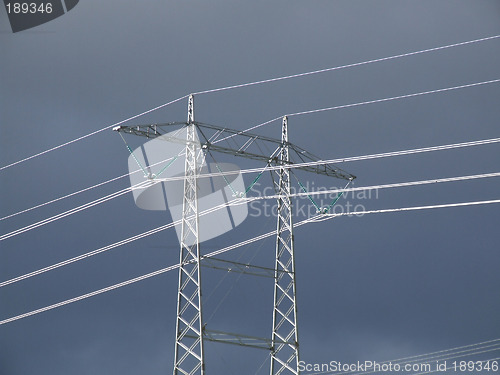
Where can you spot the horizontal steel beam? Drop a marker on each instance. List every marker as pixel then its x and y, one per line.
pixel 240 143
pixel 240 339
pixel 244 268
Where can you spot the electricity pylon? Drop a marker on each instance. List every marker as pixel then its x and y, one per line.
pixel 285 341
pixel 189 325
pixel 191 332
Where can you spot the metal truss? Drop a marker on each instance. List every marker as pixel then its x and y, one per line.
pixel 239 339
pixel 190 330
pixel 240 143
pixel 237 267
pixel 189 358
pixel 285 342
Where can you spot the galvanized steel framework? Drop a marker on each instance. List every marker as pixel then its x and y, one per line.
pixel 284 355
pixel 189 325
pixel 190 330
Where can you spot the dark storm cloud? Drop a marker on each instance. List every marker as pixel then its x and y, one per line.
pixel 377 287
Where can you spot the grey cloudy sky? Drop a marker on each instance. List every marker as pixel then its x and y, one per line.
pixel 377 287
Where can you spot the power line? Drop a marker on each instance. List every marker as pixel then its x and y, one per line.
pixel 217 252
pixel 323 217
pixel 385 186
pixel 91 294
pixel 306 112
pixel 424 359
pixel 249 84
pixel 80 191
pixel 397 153
pixel 441 353
pixel 483 361
pixel 243 200
pixel 92 133
pixel 142 185
pixel 67 196
pixel 419 356
pixel 320 162
pixel 74 210
pixel 349 159
pixel 416 150
pixel 376 156
pixel 344 66
pixel 106 248
pixel 362 103
pixel 266 122
pixel 416 208
pixel 395 97
pixel 150 183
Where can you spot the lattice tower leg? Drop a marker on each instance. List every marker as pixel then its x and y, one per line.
pixel 189 326
pixel 284 356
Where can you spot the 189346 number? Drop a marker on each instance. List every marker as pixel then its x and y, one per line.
pixel 24 8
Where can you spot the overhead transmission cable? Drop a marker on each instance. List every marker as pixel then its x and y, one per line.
pixel 395 97
pixel 344 66
pixel 436 370
pixel 384 186
pixel 107 247
pixel 74 210
pixel 250 84
pixel 66 196
pixel 152 180
pixel 414 208
pixel 149 183
pixel 269 167
pixel 456 352
pixel 332 108
pixel 447 352
pixel 355 158
pixel 294 114
pixel 78 192
pixel 321 217
pixel 92 133
pixel 346 159
pixel 423 365
pixel 435 91
pixel 420 356
pixel 214 253
pixel 168 162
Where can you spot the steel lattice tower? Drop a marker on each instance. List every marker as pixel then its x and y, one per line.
pixel 285 344
pixel 191 332
pixel 189 326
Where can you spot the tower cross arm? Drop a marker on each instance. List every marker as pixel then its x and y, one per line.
pixel 240 143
